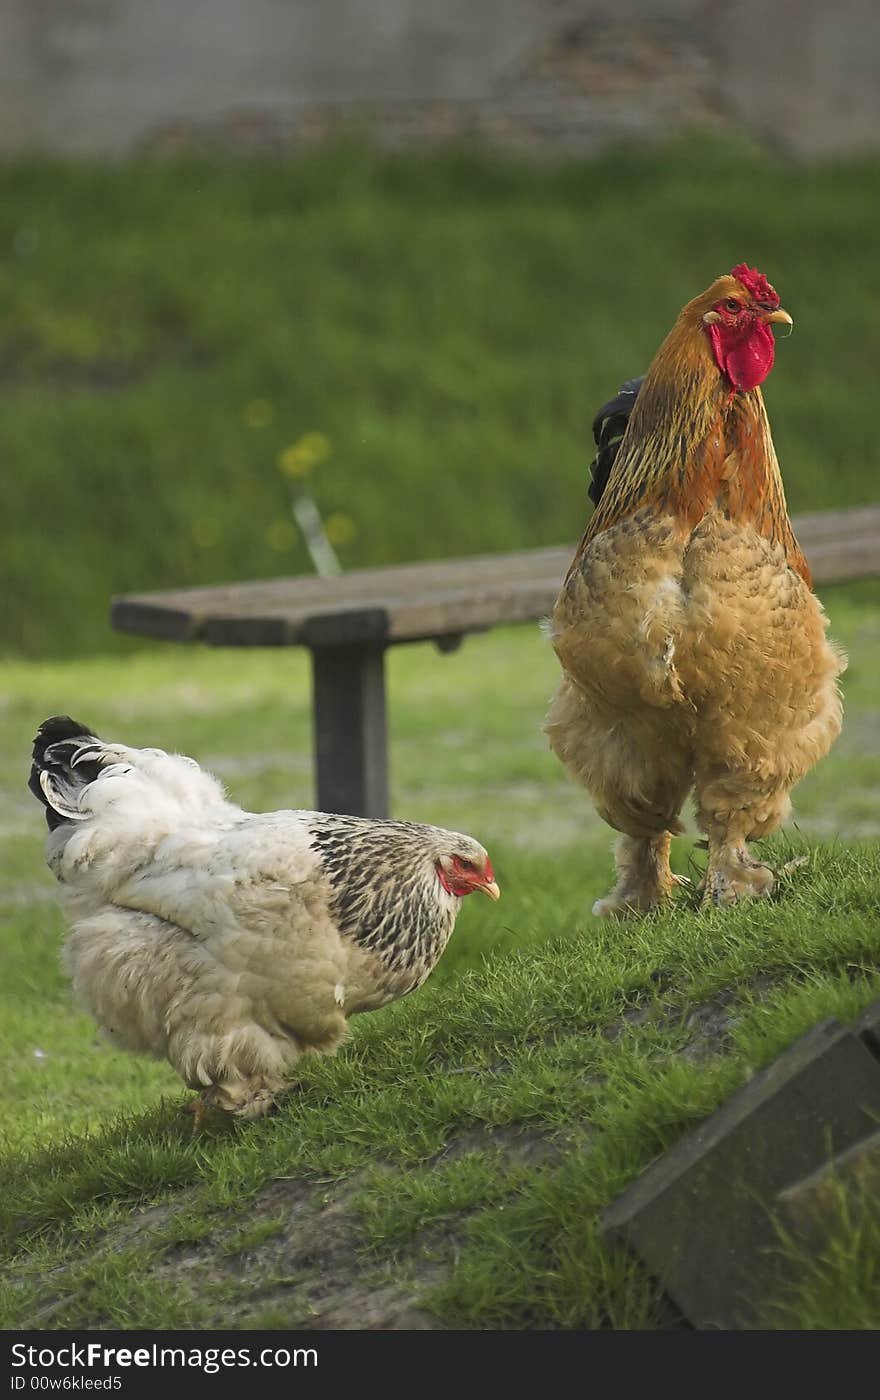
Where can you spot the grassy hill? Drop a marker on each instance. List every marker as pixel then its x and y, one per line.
pixel 448 1166
pixel 448 325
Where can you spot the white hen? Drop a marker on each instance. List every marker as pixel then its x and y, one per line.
pixel 228 942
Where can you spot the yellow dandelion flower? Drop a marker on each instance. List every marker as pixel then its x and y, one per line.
pixel 340 529
pixel 293 462
pixel 280 535
pixel 259 413
pixel 316 446
pixel 302 456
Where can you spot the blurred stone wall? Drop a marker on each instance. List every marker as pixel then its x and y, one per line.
pixel 108 77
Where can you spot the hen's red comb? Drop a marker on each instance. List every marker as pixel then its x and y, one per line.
pixel 756 283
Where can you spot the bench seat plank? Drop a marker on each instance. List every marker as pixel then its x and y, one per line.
pixel 440 598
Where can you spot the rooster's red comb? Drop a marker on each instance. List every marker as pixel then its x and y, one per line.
pixel 756 283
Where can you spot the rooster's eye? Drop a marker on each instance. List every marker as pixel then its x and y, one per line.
pixel 732 304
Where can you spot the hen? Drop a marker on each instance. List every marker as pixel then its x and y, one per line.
pixel 228 942
pixel 693 649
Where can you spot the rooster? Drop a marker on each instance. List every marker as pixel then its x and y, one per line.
pixel 693 650
pixel 227 942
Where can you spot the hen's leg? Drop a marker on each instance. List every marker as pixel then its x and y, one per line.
pixel 244 1098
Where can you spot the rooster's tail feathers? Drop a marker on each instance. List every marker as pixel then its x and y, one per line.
pixel 609 426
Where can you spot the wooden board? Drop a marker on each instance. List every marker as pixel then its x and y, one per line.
pixel 700 1216
pixel 438 599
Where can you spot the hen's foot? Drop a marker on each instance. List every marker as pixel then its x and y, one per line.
pixel 645 880
pixel 732 875
pixel 198 1108
pixel 243 1098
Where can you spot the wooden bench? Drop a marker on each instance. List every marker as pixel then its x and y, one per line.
pixel 349 622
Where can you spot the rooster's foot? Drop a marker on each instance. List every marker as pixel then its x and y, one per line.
pixel 791 866
pixel 613 906
pixel 622 904
pixel 629 898
pixel 645 881
pixel 733 875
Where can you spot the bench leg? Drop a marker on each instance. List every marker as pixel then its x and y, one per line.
pixel 350 730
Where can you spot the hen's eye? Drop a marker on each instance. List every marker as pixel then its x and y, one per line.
pixel 732 304
pixel 466 864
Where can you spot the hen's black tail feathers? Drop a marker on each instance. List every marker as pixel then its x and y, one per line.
pixel 53 780
pixel 609 426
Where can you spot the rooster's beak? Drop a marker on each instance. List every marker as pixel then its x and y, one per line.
pixel 491 889
pixel 778 318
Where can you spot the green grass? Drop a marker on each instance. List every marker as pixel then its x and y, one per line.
pixel 520 1045
pixel 541 1025
pixel 449 324
pixel 838 1288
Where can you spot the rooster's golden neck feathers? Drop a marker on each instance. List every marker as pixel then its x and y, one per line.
pixel 696 438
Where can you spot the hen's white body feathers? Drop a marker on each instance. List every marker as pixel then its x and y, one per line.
pixel 227 941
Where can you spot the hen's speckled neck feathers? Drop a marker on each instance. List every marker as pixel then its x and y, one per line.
pixel 385 892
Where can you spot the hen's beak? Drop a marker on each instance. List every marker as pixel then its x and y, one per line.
pixel 491 889
pixel 778 318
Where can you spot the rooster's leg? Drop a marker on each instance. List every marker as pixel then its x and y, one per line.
pixel 644 879
pixel 732 873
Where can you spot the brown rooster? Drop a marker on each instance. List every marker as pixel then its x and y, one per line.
pixel 693 649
